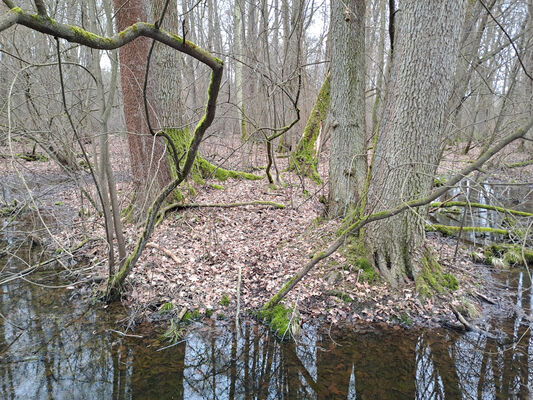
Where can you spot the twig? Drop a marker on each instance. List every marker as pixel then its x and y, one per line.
pixel 468 326
pixel 125 334
pixel 167 252
pixel 484 298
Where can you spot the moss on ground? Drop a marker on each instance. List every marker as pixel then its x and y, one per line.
pixel 281 320
pixel 432 279
pixel 356 256
pixel 224 301
pixel 505 255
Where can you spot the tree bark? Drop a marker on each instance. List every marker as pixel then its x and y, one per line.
pixel 167 67
pixel 147 153
pixel 410 136
pixel 348 165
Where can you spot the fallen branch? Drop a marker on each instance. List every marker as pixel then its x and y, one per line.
pixel 167 252
pixel 439 204
pixel 448 229
pixel 366 219
pixel 33 268
pixel 519 164
pixel 484 298
pixel 468 326
pixel 181 206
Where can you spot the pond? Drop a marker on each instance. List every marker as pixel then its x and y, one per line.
pixel 55 346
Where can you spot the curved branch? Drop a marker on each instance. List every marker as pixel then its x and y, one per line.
pixel 78 35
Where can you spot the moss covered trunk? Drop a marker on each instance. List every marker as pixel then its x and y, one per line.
pixel 304 160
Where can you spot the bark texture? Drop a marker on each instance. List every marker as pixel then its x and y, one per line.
pixel 410 135
pixel 348 165
pixel 148 161
pixel 168 66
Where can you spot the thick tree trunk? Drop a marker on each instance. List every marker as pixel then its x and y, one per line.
pixel 148 161
pixel 348 165
pixel 167 66
pixel 410 135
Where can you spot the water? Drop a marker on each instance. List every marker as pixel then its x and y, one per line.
pixel 518 197
pixel 55 346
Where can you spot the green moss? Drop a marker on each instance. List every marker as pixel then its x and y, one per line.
pixel 192 316
pixel 280 320
pixel 356 256
pixel 448 230
pixel 224 301
pixel 83 35
pixel 217 187
pixel 406 319
pixel 208 313
pixel 304 160
pixel 432 280
pixel 439 181
pixel 341 295
pixel 202 169
pixel 166 307
pixel 519 164
pixel 507 255
pixel 455 204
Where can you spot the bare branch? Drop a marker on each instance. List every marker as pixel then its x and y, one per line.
pixel 41 8
pixel 508 38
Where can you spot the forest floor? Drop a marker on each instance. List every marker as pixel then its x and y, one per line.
pixel 195 254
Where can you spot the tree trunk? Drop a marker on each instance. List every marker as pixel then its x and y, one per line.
pixel 304 160
pixel 348 165
pixel 148 160
pixel 239 52
pixel 167 66
pixel 423 66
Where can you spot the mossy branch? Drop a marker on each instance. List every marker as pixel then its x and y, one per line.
pixel 76 34
pixel 440 204
pixel 449 229
pixel 359 223
pixel 519 164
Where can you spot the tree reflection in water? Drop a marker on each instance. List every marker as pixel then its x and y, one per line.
pixel 64 351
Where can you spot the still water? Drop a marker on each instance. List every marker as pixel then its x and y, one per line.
pixel 54 346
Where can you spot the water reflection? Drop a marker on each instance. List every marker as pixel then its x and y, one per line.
pixel 53 347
